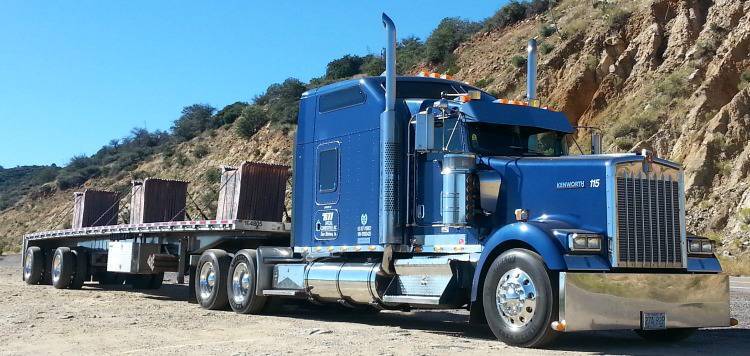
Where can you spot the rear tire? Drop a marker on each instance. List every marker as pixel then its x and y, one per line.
pixel 81 274
pixel 63 267
pixel 211 279
pixel 666 336
pixel 33 266
pixel 518 299
pixel 241 282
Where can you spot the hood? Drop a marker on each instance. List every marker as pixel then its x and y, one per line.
pixel 572 190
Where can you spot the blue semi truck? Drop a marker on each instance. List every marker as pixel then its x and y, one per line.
pixel 423 192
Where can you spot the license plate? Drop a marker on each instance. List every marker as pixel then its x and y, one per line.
pixel 653 321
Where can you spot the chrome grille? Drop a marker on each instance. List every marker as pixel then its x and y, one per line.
pixel 648 213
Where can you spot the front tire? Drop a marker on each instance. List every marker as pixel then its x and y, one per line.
pixel 33 266
pixel 211 279
pixel 666 336
pixel 63 267
pixel 241 282
pixel 518 299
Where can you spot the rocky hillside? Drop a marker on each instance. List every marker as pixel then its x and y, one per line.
pixel 217 147
pixel 670 75
pixel 673 76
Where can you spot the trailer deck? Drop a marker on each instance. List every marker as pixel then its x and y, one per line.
pixel 161 228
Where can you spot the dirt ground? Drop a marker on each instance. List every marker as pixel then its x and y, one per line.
pixel 43 320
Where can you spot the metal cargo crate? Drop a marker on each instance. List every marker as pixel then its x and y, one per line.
pixel 94 208
pixel 254 191
pixel 157 200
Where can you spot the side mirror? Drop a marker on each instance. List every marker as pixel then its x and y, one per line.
pixel 424 132
pixel 596 142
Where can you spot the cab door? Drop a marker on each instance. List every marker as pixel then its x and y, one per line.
pixel 327 190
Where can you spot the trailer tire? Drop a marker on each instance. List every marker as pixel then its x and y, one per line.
pixel 211 279
pixel 81 274
pixel 33 266
pixel 63 267
pixel 241 282
pixel 666 336
pixel 518 299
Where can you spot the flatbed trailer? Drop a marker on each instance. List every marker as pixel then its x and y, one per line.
pixel 424 192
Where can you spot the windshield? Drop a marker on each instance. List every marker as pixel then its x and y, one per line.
pixel 509 140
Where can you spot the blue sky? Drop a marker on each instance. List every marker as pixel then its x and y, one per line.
pixel 76 74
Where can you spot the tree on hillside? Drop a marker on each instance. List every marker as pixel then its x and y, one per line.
pixel 194 120
pixel 515 11
pixel 230 113
pixel 410 52
pixel 282 101
pixel 252 119
pixel 446 37
pixel 344 67
pixel 372 65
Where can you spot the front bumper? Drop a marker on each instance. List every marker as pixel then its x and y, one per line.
pixel 608 301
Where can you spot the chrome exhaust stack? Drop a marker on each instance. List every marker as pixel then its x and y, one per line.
pixel 531 66
pixel 390 149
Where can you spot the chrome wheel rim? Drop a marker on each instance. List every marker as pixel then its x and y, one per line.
pixel 56 267
pixel 207 280
pixel 241 283
pixel 28 265
pixel 516 298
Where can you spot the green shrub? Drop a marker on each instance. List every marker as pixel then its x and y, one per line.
pixel 483 83
pixel 251 120
pixel 200 151
pixel 373 65
pixel 547 30
pixel 744 80
pixel 212 176
pixel 518 61
pixel 508 15
pixel 344 67
pixel 675 84
pixel 230 113
pixel 282 101
pixel 546 48
pixel 194 120
pixel 447 37
pixel 617 17
pixel 181 160
pixel 410 53
pixel 745 216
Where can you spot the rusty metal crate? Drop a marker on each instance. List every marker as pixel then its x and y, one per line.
pixel 254 191
pixel 94 208
pixel 157 200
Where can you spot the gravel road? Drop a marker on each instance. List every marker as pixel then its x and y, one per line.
pixel 43 320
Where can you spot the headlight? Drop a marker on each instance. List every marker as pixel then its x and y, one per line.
pixel 700 246
pixel 581 242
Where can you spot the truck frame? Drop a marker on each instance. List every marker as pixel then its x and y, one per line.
pixel 424 192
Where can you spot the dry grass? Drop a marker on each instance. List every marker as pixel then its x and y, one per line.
pixel 736 265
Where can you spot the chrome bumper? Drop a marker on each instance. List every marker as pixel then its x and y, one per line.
pixel 607 301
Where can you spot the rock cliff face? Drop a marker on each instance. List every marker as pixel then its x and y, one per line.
pixel 671 76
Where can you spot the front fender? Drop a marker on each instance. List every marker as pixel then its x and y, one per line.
pixel 526 234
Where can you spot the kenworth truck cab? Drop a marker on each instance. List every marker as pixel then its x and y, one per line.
pixel 424 192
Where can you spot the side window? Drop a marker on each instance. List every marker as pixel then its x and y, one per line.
pixel 341 99
pixel 328 170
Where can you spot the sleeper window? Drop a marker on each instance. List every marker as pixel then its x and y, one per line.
pixel 328 170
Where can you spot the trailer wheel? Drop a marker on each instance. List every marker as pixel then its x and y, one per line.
pixel 518 298
pixel 63 267
pixel 33 267
pixel 666 336
pixel 211 279
pixel 241 285
pixel 81 269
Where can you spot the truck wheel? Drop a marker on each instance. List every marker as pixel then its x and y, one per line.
pixel 33 267
pixel 518 299
pixel 241 285
pixel 63 267
pixel 81 274
pixel 211 279
pixel 666 336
